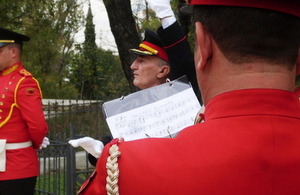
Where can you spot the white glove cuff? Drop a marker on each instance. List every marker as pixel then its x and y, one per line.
pixel 168 21
pixel 98 148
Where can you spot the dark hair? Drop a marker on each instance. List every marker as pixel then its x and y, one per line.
pixel 250 34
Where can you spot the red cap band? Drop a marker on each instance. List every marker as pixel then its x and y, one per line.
pixel 291 7
pixel 155 50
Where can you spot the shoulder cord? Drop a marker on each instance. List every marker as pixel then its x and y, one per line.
pixel 112 187
pixel 200 116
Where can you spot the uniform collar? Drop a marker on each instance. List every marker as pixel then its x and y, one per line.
pixel 10 69
pixel 253 102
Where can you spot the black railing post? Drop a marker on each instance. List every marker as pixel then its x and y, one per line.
pixel 71 165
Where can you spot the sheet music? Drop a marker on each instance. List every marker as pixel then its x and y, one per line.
pixel 158 119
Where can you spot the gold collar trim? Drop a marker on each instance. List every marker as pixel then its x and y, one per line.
pixel 10 69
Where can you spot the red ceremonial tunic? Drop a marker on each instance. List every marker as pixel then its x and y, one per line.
pixel 249 144
pixel 21 119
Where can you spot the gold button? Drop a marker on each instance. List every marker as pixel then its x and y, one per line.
pixel 9 83
pixel 5 88
pixel 3 95
pixel 1 103
pixel 1 111
pixel 0 117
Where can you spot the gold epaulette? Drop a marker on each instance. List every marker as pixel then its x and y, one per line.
pixel 24 72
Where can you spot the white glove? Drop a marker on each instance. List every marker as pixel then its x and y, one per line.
pixel 162 8
pixel 92 146
pixel 45 143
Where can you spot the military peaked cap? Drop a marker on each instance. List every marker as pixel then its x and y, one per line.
pixel 8 37
pixel 151 46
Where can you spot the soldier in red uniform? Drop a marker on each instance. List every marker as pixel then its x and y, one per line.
pixel 245 57
pixel 22 122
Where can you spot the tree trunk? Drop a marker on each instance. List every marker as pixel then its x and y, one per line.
pixel 124 29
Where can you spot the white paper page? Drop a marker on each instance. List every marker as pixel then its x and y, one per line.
pixel 159 119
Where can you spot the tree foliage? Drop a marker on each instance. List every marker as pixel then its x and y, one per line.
pixel 51 24
pixel 87 73
pixel 97 73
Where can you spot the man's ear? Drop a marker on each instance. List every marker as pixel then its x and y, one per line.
pixel 14 52
pixel 203 46
pixel 164 71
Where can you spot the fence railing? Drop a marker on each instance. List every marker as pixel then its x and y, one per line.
pixel 63 168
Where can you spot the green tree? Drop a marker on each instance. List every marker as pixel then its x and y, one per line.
pixel 51 24
pixel 96 73
pixel 86 72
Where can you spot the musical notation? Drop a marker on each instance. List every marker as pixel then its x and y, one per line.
pixel 158 119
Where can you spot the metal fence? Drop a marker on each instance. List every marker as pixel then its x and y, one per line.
pixel 63 168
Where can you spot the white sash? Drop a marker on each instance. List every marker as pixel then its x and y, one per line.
pixel 9 146
pixel 2 155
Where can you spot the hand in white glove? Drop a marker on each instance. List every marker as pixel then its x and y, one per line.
pixel 45 143
pixel 92 146
pixel 162 8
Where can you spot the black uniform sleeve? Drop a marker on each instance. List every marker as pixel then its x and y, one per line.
pixel 180 55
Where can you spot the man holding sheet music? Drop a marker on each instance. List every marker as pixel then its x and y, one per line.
pixel 246 57
pixel 160 56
